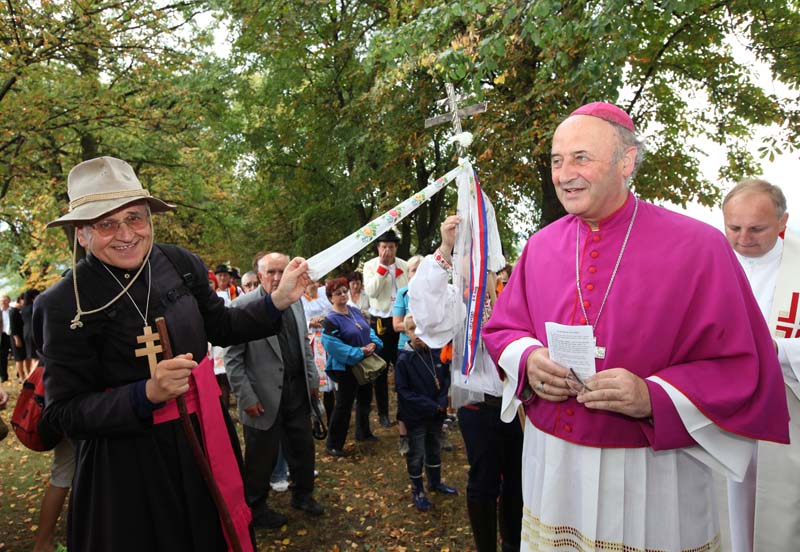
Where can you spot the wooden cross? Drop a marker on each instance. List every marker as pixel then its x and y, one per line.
pixel 454 114
pixel 150 349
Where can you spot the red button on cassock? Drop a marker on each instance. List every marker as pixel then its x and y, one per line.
pixel 569 411
pixel 594 254
pixel 568 428
pixel 583 321
pixel 592 269
pixel 587 304
pixel 590 287
pixel 595 238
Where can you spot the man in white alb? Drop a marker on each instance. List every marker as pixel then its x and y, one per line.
pixel 765 507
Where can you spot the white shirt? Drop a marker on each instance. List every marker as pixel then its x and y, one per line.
pixel 6 323
pixel 226 296
pixel 762 273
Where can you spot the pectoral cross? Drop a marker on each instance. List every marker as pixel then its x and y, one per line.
pixel 151 348
pixel 454 114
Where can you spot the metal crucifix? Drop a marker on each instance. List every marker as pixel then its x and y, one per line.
pixel 454 114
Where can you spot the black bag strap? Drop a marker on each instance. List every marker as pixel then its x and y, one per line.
pixel 182 262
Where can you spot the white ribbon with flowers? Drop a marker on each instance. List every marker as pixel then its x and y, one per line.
pixel 322 263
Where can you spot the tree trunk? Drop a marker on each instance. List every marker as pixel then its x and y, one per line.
pixel 552 209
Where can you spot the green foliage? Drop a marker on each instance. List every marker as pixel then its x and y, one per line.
pixel 103 78
pixel 313 125
pixel 670 64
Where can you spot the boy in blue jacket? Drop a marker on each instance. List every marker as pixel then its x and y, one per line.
pixel 422 381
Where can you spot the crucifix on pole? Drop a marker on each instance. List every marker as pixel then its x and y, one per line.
pixel 454 114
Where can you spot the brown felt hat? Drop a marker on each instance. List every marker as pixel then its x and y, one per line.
pixel 99 186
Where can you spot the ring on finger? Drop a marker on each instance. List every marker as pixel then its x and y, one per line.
pixel 540 386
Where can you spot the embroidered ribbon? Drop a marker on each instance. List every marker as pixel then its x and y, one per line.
pixel 477 250
pixel 203 398
pixel 325 261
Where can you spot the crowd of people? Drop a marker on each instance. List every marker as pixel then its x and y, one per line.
pixel 629 354
pixel 16 339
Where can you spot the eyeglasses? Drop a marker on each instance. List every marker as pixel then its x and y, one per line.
pixel 575 383
pixel 109 227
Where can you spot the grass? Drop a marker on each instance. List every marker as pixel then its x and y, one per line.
pixel 366 496
pixel 23 478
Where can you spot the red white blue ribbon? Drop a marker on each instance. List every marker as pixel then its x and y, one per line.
pixel 476 252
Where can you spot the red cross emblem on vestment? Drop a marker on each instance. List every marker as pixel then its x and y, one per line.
pixel 788 322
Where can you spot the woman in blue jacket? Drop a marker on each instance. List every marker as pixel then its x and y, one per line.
pixel 347 339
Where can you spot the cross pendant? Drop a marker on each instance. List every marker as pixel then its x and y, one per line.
pixel 436 383
pixel 151 348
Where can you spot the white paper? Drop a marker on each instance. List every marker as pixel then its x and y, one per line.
pixel 571 347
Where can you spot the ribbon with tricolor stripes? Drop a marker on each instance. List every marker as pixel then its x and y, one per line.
pixel 471 256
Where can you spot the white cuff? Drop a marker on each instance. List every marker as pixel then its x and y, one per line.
pixel 725 452
pixel 509 362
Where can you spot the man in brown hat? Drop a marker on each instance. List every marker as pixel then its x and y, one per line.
pixel 383 277
pixel 137 486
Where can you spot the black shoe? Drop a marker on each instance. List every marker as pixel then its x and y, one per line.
pixel 308 505
pixel 384 420
pixel 269 519
pixel 369 437
pixel 335 452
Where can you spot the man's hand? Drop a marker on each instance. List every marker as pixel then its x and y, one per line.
pixel 546 378
pixel 255 410
pixel 368 349
pixel 316 322
pixel 618 390
pixel 171 379
pixel 293 283
pixel 314 394
pixel 448 231
pixel 17 342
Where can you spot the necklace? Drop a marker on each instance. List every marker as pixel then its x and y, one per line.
pixel 349 316
pixel 148 338
pixel 600 352
pixel 125 290
pixel 431 368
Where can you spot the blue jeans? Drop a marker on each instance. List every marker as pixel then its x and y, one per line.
pixel 424 443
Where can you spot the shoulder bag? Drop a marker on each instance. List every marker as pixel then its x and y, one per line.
pixel 369 369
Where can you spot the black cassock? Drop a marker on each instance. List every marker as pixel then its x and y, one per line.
pixel 137 486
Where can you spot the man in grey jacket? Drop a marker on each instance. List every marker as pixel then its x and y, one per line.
pixel 275 380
